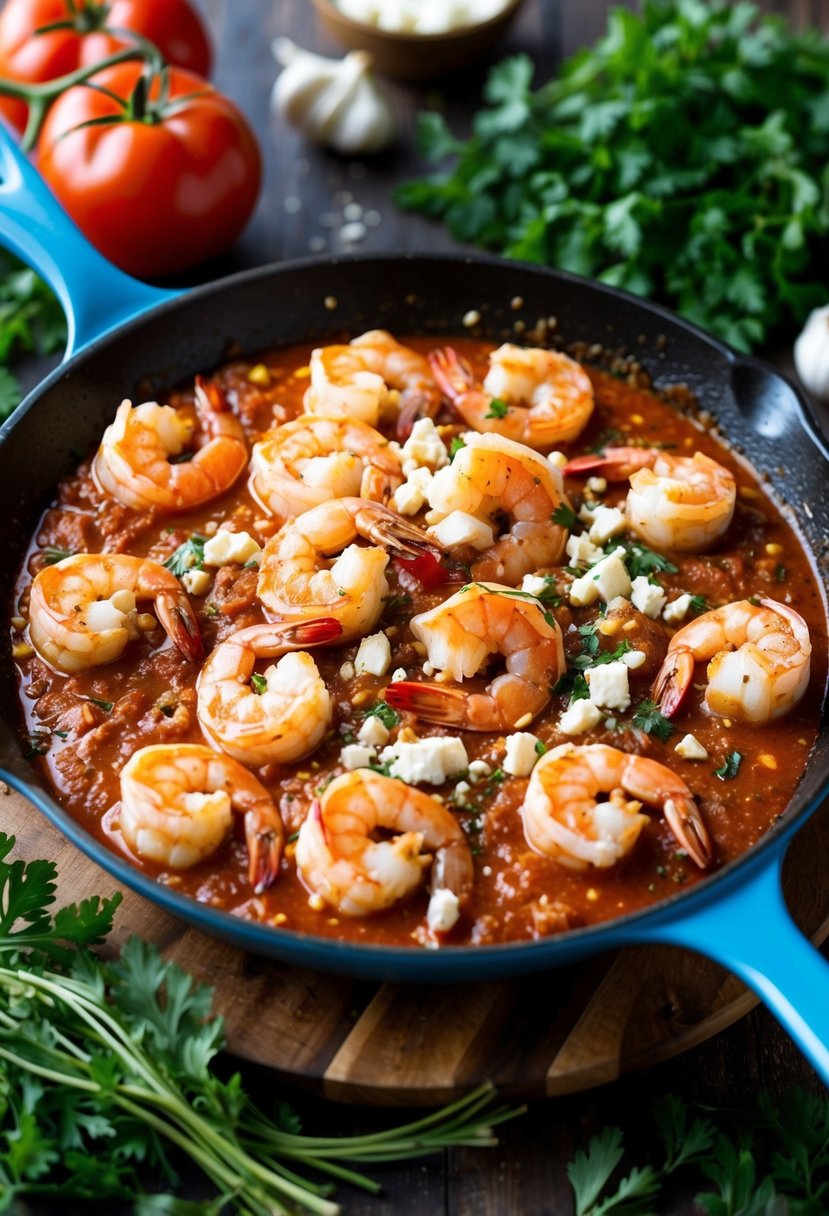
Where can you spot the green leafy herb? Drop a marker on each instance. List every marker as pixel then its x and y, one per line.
pixel 516 593
pixel 108 1065
pixel 681 157
pixel 651 721
pixel 457 445
pixel 780 573
pixel 730 767
pixel 188 556
pixel 52 556
pixel 591 656
pixel 106 706
pixel 564 516
pixel 699 604
pixel 386 713
pixel 31 322
pixel 497 408
pixel 540 747
pixel 258 683
pixel 639 559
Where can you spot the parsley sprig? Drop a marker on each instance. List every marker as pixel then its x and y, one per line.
pixel 682 157
pixel 105 1066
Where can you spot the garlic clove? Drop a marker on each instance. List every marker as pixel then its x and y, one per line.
pixel 334 102
pixel 811 353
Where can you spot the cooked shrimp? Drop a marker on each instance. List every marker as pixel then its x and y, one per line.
pixel 760 661
pixel 340 860
pixel 312 459
pixel 353 381
pixel 491 477
pixel 135 462
pixel 460 634
pixel 278 716
pixel 83 609
pixel 297 583
pixel 534 396
pixel 674 502
pixel 177 805
pixel 563 820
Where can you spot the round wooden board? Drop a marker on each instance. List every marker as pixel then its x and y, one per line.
pixel 390 1044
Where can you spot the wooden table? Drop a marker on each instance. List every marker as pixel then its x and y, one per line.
pixel 301 211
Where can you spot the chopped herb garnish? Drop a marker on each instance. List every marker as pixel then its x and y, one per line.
pixel 253 564
pixel 455 446
pixel 392 603
pixel 516 594
pixel 106 706
pixel 497 408
pixel 258 683
pixel 593 657
pixel 294 836
pixel 383 769
pixel 564 516
pixel 730 767
pixel 540 747
pixel 386 713
pixel 780 573
pixel 699 604
pixel 188 556
pixel 38 745
pixel 651 721
pixel 52 555
pixel 639 559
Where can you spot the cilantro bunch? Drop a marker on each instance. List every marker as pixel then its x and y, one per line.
pixel 31 322
pixel 106 1073
pixel 683 157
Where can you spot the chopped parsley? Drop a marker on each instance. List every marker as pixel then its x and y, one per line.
pixel 188 556
pixel 699 604
pixel 497 408
pixel 517 594
pixel 730 767
pixel 639 559
pixel 386 713
pixel 455 446
pixel 780 573
pixel 651 721
pixel 540 748
pixel 53 555
pixel 258 683
pixel 106 706
pixel 564 516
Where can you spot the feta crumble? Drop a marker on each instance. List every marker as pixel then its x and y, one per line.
pixel 677 610
pixel 521 757
pixel 373 656
pixel 356 755
pixel 430 761
pixel 460 528
pixel 606 522
pixel 196 582
pixel 607 579
pixel 424 447
pixel 647 597
pixel 608 685
pixel 690 748
pixel 227 547
pixel 443 911
pixel 373 732
pixel 579 717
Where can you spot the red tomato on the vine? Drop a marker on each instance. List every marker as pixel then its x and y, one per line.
pixel 173 25
pixel 162 186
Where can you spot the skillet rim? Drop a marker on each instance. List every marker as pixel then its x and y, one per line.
pixel 365 959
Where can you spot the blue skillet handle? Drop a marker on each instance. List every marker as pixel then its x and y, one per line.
pixel 94 294
pixel 757 940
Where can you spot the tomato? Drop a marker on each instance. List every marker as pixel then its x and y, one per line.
pixel 173 25
pixel 159 188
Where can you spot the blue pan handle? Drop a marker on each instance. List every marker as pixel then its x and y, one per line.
pixel 94 294
pixel 753 935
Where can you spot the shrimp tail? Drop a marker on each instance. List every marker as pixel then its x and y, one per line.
pixel 210 399
pixel 265 838
pixel 452 373
pixel 431 702
pixel 312 633
pixel 392 532
pixel 181 625
pixel 414 404
pixel 615 464
pixel 452 868
pixel 683 818
pixel 673 682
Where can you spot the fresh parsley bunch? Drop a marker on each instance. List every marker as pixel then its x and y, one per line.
pixel 683 157
pixel 106 1074
pixel 31 322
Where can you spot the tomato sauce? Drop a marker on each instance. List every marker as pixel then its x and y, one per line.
pixel 83 728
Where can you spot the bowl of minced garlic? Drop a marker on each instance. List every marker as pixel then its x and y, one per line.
pixel 418 39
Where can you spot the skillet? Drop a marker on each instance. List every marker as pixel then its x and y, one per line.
pixel 130 339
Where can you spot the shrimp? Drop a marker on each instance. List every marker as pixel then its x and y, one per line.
pixel 674 502
pixel 296 583
pixel 82 609
pixel 339 859
pixel 177 805
pixel 134 462
pixel 534 396
pixel 353 381
pixel 563 820
pixel 492 476
pixel 760 661
pixel 313 459
pixel 479 620
pixel 274 718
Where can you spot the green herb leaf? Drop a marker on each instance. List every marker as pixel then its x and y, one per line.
pixel 258 683
pixel 639 559
pixel 651 721
pixel 497 408
pixel 730 767
pixel 106 706
pixel 386 713
pixel 52 556
pixel 564 516
pixel 188 556
pixel 457 445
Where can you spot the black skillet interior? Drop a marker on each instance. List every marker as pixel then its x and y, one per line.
pixel 64 418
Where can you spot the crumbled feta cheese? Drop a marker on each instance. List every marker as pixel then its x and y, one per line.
pixel 460 791
pixel 579 717
pixel 460 528
pixel 534 584
pixel 347 670
pixel 356 755
pixel 521 757
pixel 634 658
pixel 443 911
pixel 608 685
pixel 647 597
pixel 690 748
pixel 374 655
pixel 587 511
pixel 597 485
pixel 478 769
pixel 557 459
pixel 581 549
pixel 607 579
pixel 677 610
pixel 607 522
pixel 196 582
pixel 431 761
pixel 424 447
pixel 101 615
pixel 412 496
pixel 397 675
pixel 373 733
pixel 226 547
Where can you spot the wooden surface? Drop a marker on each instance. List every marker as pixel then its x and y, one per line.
pixel 526 1175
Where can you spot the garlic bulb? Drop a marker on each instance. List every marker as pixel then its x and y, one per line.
pixel 811 353
pixel 335 102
